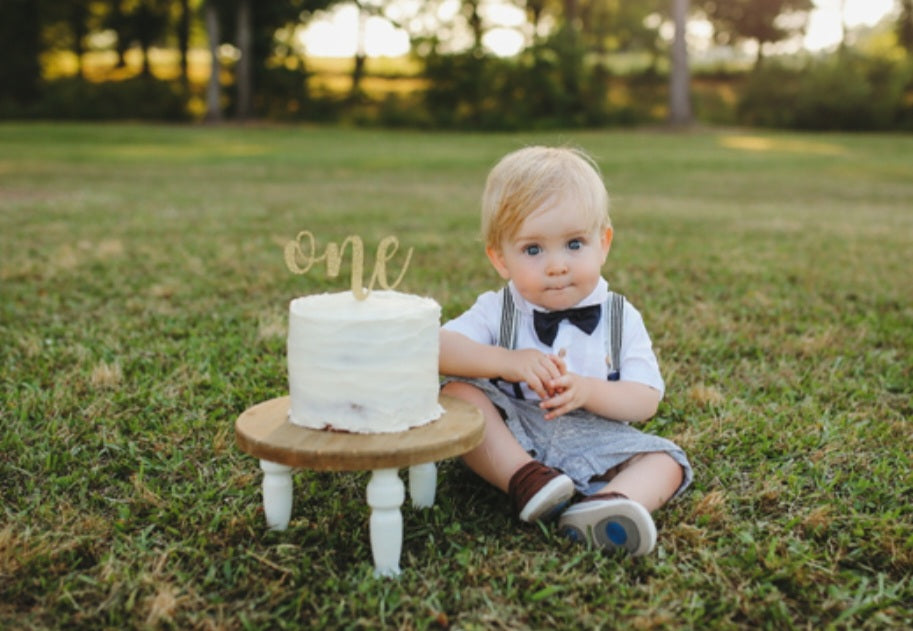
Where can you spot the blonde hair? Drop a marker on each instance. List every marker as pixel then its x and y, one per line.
pixel 526 179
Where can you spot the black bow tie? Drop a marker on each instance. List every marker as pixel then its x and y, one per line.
pixel 546 322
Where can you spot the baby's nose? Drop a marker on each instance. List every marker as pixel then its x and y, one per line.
pixel 556 265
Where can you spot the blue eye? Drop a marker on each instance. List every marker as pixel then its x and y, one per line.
pixel 532 250
pixel 574 244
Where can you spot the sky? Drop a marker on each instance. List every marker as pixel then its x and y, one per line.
pixel 335 34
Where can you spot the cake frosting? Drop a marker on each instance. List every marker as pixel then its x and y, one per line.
pixel 366 366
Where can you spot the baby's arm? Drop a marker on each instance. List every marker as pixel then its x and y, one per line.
pixel 463 357
pixel 627 401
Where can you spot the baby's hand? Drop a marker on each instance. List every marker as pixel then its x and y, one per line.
pixel 570 392
pixel 559 361
pixel 561 365
pixel 534 368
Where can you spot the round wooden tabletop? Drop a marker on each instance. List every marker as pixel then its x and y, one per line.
pixel 264 431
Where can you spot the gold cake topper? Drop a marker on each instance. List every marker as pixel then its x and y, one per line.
pixel 301 255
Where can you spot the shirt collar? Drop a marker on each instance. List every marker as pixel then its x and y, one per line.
pixel 597 297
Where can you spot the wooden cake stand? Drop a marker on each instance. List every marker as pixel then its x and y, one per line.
pixel 265 432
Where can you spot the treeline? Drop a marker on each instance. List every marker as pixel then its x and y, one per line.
pixel 567 74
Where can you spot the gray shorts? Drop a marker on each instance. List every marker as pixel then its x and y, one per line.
pixel 583 445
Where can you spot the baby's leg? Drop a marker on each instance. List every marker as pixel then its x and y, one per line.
pixel 649 479
pixel 499 455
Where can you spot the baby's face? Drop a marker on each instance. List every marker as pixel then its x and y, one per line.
pixel 556 257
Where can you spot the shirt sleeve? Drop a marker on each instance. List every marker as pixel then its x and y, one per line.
pixel 481 321
pixel 638 361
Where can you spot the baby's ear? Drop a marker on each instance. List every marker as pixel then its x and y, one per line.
pixel 606 240
pixel 497 260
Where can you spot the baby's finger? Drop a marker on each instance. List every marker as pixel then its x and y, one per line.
pixel 551 415
pixel 555 370
pixel 538 386
pixel 562 383
pixel 555 406
pixel 546 372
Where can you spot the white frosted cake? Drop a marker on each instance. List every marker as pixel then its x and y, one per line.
pixel 366 366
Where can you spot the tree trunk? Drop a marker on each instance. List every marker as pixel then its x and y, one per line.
pixel 358 70
pixel 679 78
pixel 213 89
pixel 184 40
pixel 571 13
pixel 78 14
pixel 904 27
pixel 121 50
pixel 471 11
pixel 243 72
pixel 118 22
pixel 147 67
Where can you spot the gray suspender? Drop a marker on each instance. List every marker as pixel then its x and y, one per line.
pixel 613 312
pixel 507 337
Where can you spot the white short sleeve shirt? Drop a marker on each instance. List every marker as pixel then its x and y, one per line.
pixel 585 354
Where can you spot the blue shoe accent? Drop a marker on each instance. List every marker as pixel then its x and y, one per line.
pixel 611 524
pixel 573 534
pixel 616 533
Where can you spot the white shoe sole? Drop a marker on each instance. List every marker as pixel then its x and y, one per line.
pixel 610 524
pixel 550 499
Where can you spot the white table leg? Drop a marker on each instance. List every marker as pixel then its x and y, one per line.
pixel 277 494
pixel 386 493
pixel 423 484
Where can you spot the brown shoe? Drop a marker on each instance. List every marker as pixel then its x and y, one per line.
pixel 538 492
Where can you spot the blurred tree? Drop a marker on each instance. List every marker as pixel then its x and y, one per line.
pixel 183 32
pixel 571 13
pixel 679 77
pixel 618 25
pixel 561 78
pixel 603 25
pixel 243 69
pixel 65 24
pixel 213 86
pixel 905 25
pixel 255 25
pixel 533 9
pixel 473 16
pixel 77 17
pixel 843 28
pixel 762 21
pixel 118 21
pixel 361 53
pixel 592 30
pixel 20 45
pixel 267 52
pixel 147 24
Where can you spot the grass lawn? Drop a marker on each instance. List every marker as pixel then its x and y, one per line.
pixel 143 306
